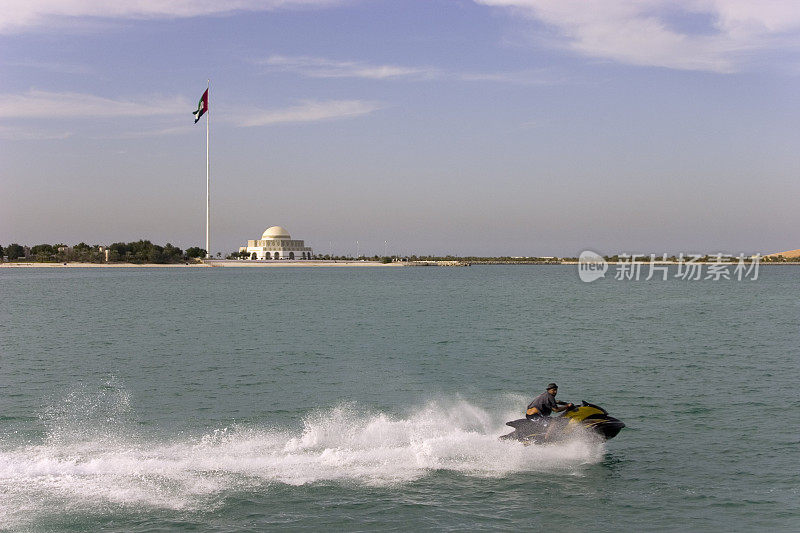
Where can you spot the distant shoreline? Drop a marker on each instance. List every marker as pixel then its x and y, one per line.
pixel 214 263
pixel 207 264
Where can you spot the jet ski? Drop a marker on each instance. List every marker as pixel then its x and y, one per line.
pixel 586 416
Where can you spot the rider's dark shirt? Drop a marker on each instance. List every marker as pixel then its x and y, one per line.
pixel 545 403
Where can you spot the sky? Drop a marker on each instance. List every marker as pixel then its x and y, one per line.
pixel 465 127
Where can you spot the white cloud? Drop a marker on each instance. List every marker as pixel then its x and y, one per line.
pixel 37 105
pixel 318 67
pixel 60 68
pixel 522 77
pixel 657 32
pixel 159 132
pixel 310 111
pixel 18 15
pixel 51 105
pixel 17 134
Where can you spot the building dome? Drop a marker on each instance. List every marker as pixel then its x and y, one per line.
pixel 275 232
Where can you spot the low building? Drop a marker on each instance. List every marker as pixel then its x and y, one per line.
pixel 276 243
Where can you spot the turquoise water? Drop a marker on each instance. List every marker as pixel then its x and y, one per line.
pixel 234 399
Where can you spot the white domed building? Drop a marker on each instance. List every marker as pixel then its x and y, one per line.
pixel 276 243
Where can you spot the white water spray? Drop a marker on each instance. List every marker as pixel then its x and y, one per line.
pixel 91 469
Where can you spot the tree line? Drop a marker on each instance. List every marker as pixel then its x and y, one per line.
pixel 144 251
pixel 141 251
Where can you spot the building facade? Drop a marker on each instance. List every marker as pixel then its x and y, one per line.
pixel 276 243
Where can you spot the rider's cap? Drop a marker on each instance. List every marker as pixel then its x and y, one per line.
pixel 552 386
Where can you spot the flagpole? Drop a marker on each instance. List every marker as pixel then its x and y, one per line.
pixel 208 174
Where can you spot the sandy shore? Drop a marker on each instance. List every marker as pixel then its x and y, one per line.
pixel 98 265
pixel 306 264
pixel 301 263
pixel 208 264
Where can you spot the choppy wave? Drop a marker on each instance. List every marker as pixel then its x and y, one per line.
pixel 106 463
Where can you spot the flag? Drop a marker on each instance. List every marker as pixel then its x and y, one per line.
pixel 202 107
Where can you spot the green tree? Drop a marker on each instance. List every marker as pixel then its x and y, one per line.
pixel 82 252
pixel 119 251
pixel 144 251
pixel 43 250
pixel 195 252
pixel 172 253
pixel 14 251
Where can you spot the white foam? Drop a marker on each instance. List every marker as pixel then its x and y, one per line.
pixel 339 444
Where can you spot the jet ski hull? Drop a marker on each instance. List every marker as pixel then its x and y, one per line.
pixel 586 416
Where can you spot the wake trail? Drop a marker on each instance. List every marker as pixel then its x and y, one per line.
pixel 86 469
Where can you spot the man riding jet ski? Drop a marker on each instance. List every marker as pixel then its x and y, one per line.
pixel 546 403
pixel 537 426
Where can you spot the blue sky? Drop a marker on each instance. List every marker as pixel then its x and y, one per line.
pixel 488 127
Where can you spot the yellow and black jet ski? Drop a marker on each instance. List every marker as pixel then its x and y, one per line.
pixel 586 416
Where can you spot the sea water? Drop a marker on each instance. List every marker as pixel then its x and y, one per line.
pixel 229 399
